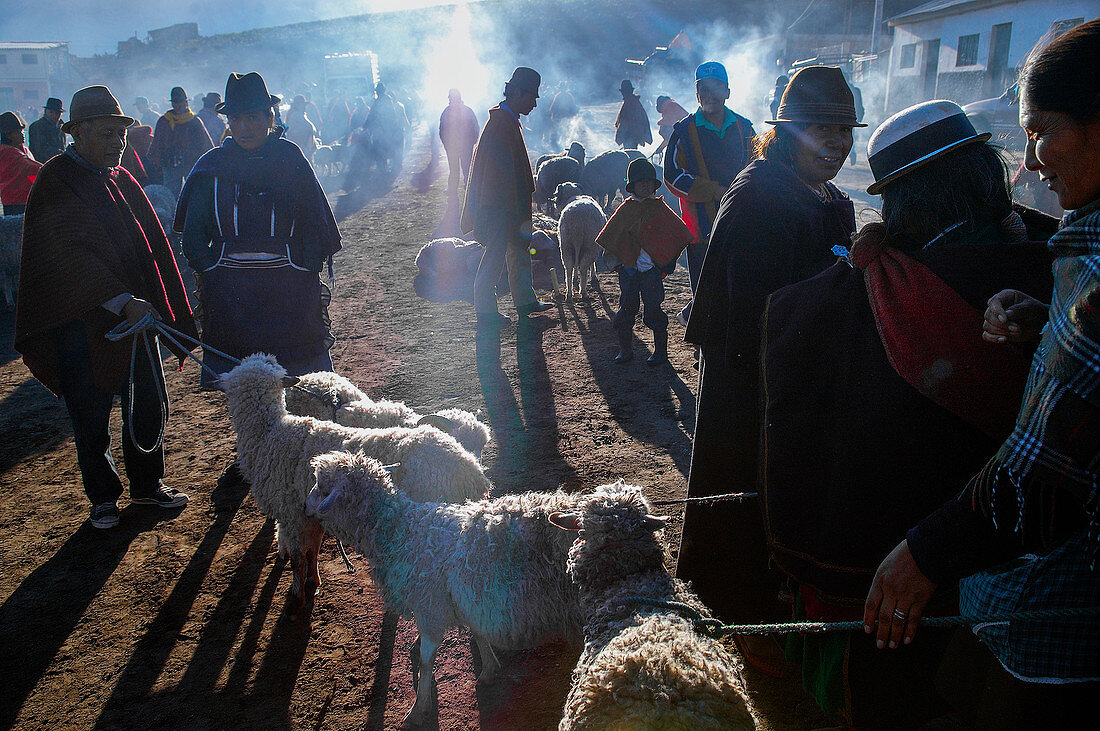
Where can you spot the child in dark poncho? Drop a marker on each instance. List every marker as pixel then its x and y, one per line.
pixel 646 236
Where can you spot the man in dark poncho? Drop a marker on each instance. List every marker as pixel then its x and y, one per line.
pixel 458 131
pixel 632 124
pixel 44 136
pixel 497 209
pixel 94 256
pixel 178 140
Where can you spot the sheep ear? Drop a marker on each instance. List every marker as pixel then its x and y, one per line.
pixel 442 423
pixel 289 381
pixel 326 504
pixel 656 522
pixel 565 521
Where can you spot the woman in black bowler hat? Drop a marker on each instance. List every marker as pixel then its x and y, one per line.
pixel 258 231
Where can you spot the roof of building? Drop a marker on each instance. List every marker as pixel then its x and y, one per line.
pixel 30 45
pixel 944 7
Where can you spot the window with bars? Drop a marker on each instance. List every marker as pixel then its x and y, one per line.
pixel 968 51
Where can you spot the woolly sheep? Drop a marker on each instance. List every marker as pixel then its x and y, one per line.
pixel 496 566
pixel 558 169
pixel 274 449
pixel 642 666
pixel 163 201
pixel 331 397
pixel 446 269
pixel 605 175
pixel 580 221
pixel 11 248
pixel 564 195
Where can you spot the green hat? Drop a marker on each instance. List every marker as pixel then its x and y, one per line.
pixel 639 169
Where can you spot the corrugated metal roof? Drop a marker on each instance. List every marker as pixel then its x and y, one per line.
pixel 938 6
pixel 30 45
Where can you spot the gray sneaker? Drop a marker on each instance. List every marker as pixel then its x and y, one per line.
pixel 104 515
pixel 165 497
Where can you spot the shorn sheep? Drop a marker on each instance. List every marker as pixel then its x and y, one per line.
pixel 643 666
pixel 605 175
pixel 496 566
pixel 11 247
pixel 331 397
pixel 580 221
pixel 274 449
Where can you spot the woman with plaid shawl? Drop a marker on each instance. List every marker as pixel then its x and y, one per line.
pixel 1025 532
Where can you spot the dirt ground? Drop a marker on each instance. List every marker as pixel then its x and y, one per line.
pixel 175 618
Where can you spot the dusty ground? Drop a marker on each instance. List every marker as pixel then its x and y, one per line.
pixel 175 618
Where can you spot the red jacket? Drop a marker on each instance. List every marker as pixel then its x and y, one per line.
pixel 17 173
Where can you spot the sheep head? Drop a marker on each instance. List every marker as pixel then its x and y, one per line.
pixel 343 483
pixel 259 380
pixel 615 536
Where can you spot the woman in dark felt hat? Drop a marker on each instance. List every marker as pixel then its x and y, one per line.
pixel 881 400
pixel 781 221
pixel 17 168
pixel 632 123
pixel 258 230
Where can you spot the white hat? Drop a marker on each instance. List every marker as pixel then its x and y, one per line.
pixel 915 136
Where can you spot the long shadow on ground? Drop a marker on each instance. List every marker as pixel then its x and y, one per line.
pixel 641 398
pixel 531 437
pixel 47 606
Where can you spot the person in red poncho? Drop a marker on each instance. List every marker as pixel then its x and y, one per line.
pixel 94 257
pixel 646 236
pixel 17 168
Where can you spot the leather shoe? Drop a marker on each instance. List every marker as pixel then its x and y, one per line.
pixel 536 306
pixel 491 320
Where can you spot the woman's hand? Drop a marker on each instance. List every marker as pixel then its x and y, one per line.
pixel 1012 316
pixel 897 597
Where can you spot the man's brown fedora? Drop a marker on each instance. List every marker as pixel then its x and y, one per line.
pixel 91 102
pixel 817 95
pixel 246 93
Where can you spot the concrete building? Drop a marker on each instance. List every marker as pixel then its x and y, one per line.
pixel 30 73
pixel 966 50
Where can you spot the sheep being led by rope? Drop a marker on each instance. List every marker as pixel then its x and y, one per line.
pixel 496 566
pixel 331 397
pixel 274 449
pixel 642 667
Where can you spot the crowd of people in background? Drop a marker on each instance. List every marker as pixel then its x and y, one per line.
pixel 917 404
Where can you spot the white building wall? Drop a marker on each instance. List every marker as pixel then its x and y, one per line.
pixel 1030 19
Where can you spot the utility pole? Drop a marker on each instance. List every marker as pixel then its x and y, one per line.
pixel 875 26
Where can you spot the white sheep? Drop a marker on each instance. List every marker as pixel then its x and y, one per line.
pixel 580 221
pixel 11 247
pixel 330 397
pixel 274 449
pixel 643 666
pixel 496 566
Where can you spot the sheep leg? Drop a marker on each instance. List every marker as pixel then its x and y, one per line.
pixel 490 663
pixel 312 535
pixel 554 279
pixel 425 705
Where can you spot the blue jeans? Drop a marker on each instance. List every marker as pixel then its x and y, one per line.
pixel 650 288
pixel 504 246
pixel 90 411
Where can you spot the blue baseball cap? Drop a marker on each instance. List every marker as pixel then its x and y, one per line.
pixel 712 70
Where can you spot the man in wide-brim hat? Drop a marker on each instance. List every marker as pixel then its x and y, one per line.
pixel 44 136
pixel 95 257
pixel 179 140
pixel 632 123
pixel 215 125
pixel 497 208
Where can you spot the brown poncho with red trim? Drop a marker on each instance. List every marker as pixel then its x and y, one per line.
pixel 501 183
pixel 87 238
